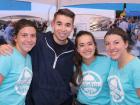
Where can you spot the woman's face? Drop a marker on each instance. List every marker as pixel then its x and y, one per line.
pixel 115 46
pixel 86 47
pixel 25 39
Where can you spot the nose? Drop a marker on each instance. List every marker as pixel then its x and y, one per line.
pixel 29 38
pixel 87 47
pixel 63 28
pixel 111 46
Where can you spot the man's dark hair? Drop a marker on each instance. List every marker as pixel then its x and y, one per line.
pixel 65 12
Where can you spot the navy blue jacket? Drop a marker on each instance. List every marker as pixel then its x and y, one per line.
pixel 51 73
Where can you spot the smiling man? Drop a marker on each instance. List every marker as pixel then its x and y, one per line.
pixel 52 60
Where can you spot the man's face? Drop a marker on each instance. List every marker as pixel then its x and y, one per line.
pixel 62 27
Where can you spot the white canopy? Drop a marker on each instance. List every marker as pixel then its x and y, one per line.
pixel 37 10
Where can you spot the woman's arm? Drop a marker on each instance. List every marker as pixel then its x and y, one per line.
pixel 6 49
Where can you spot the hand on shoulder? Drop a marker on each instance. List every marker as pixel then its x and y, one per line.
pixel 6 49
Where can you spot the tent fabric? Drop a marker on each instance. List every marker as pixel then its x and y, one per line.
pixel 36 12
pixel 133 13
pixel 77 2
pixel 108 6
pixel 133 7
pixel 14 5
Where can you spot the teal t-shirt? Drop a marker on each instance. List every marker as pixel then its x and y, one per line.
pixel 124 82
pixel 17 72
pixel 94 89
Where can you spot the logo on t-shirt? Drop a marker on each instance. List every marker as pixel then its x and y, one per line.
pixel 116 89
pixel 91 84
pixel 23 82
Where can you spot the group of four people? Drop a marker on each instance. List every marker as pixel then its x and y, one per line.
pixel 56 62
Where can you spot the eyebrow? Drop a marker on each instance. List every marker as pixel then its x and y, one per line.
pixel 87 42
pixel 27 33
pixel 61 22
pixel 58 22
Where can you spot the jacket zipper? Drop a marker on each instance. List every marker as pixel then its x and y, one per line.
pixel 56 57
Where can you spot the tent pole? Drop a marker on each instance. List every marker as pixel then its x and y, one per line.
pixel 57 4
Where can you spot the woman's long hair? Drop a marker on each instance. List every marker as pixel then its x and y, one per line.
pixel 77 78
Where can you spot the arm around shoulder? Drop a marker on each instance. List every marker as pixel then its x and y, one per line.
pixel 6 49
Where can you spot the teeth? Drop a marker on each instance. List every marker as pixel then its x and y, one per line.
pixel 87 53
pixel 63 34
pixel 113 53
pixel 28 46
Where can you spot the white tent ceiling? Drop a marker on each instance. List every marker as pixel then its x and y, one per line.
pixel 37 10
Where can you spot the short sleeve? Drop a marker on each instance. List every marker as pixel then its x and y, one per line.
pixel 136 75
pixel 5 65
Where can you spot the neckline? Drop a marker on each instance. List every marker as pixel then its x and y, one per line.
pixel 129 62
